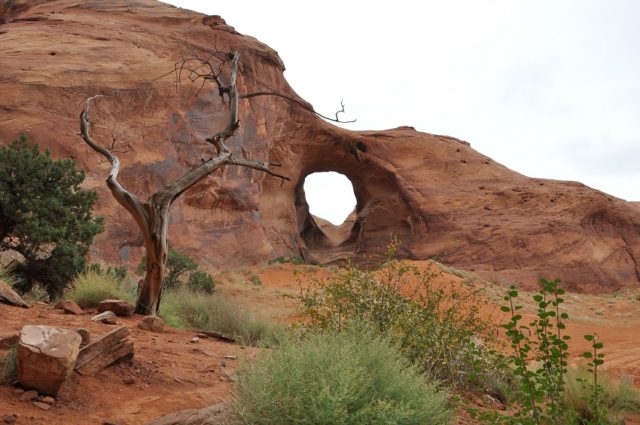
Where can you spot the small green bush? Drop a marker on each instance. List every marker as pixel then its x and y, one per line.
pixel 91 287
pixel 214 312
pixel 119 273
pixel 200 281
pixel 178 267
pixel 343 378
pixel 9 367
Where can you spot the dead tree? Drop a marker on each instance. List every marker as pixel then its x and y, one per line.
pixel 152 216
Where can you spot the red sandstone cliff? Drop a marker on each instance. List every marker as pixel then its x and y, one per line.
pixel 436 193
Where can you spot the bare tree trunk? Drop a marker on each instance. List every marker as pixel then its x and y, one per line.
pixel 152 217
pixel 157 249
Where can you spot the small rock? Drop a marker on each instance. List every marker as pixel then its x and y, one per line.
pixel 229 357
pixel 18 391
pixel 70 307
pixel 7 341
pixel 195 340
pixel 86 336
pixel 29 395
pixel 119 307
pixel 152 324
pixel 9 419
pixel 110 422
pixel 103 315
pixel 58 305
pixel 41 405
pixel 48 399
pixel 129 381
pixel 201 335
pixel 11 297
pixel 109 321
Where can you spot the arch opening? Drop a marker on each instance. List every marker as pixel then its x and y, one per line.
pixel 330 196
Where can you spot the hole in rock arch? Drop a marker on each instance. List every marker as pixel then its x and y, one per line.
pixel 330 196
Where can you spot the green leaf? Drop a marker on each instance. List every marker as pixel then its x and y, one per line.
pixel 588 337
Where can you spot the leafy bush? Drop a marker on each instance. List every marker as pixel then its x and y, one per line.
pixel 45 215
pixel 91 287
pixel 183 308
pixel 342 378
pixel 539 367
pixel 9 367
pixel 438 330
pixel 200 281
pixel 181 270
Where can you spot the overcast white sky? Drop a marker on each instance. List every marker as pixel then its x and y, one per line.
pixel 548 88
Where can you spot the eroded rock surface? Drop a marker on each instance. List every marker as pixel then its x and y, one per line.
pixel 439 196
pixel 46 357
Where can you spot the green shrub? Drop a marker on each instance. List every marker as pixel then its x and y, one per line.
pixel 200 281
pixel 346 378
pixel 539 367
pixel 255 279
pixel 45 215
pixel 437 330
pixel 178 266
pixel 91 287
pixel 214 312
pixel 619 397
pixel 9 367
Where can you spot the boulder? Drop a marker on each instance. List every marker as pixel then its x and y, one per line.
pixel 70 307
pixel 152 324
pixel 11 297
pixel 46 357
pixel 119 307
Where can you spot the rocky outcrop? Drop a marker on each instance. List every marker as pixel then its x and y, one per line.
pixel 46 357
pixel 439 196
pixel 10 297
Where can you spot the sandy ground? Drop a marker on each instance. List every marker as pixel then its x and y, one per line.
pixel 170 373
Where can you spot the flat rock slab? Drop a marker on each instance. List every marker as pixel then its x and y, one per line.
pixel 11 297
pixel 119 307
pixel 46 357
pixel 105 350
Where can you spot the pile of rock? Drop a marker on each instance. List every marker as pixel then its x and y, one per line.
pixel 47 355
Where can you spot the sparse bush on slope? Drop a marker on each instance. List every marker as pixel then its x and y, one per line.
pixel 353 377
pixel 184 308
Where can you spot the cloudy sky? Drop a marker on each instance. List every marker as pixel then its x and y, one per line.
pixel 548 88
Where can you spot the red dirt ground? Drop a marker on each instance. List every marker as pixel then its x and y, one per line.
pixel 169 373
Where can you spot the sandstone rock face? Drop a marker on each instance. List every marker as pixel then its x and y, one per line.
pixel 46 357
pixel 439 196
pixel 11 297
pixel 118 307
